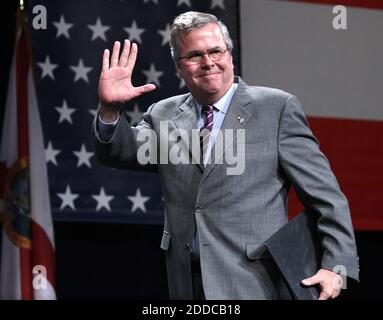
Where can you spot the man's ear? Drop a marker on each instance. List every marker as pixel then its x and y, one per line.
pixel 178 72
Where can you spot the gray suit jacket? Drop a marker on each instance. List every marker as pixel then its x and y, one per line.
pixel 234 214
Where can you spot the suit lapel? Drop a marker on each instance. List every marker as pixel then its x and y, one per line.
pixel 186 119
pixel 236 118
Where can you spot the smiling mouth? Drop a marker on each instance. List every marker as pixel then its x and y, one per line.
pixel 208 74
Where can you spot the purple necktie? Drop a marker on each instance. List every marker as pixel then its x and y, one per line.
pixel 204 141
pixel 205 132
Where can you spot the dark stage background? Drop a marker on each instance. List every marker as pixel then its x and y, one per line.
pixel 123 261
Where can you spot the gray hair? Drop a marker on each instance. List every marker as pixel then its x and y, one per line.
pixel 191 20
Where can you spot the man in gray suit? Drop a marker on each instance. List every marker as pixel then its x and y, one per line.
pixel 216 222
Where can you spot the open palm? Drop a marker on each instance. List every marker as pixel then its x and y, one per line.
pixel 115 84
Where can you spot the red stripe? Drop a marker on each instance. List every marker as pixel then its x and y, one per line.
pixel 22 65
pixel 43 251
pixel 372 4
pixel 355 151
pixel 26 274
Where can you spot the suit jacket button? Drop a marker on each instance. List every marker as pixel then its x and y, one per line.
pixel 187 246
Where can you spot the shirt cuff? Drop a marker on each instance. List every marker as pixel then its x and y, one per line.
pixel 106 129
pixel 108 123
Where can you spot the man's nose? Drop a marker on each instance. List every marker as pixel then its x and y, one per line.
pixel 206 60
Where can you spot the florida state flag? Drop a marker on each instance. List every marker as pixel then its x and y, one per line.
pixel 27 252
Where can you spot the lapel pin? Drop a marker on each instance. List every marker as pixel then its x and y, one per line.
pixel 241 119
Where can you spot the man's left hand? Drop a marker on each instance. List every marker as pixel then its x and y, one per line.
pixel 329 282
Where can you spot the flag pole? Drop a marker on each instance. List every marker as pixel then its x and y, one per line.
pixel 21 14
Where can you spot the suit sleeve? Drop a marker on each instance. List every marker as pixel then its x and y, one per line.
pixel 309 172
pixel 120 150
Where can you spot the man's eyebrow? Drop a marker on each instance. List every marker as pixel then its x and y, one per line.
pixel 194 51
pixel 214 48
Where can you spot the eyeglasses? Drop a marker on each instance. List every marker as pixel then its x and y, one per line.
pixel 195 57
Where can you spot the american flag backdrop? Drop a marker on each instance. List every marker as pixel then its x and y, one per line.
pixel 67 57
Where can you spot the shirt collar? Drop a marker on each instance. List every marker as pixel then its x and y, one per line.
pixel 223 103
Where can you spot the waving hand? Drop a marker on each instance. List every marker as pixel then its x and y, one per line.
pixel 115 84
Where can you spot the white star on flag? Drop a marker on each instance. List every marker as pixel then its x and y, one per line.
pixel 62 27
pixel 68 198
pixel 102 200
pixel 187 2
pixel 138 201
pixel 98 30
pixel 47 68
pixel 134 32
pixel 65 112
pixel 165 34
pixel 152 75
pixel 217 3
pixel 50 154
pixel 83 156
pixel 135 115
pixel 93 112
pixel 81 71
